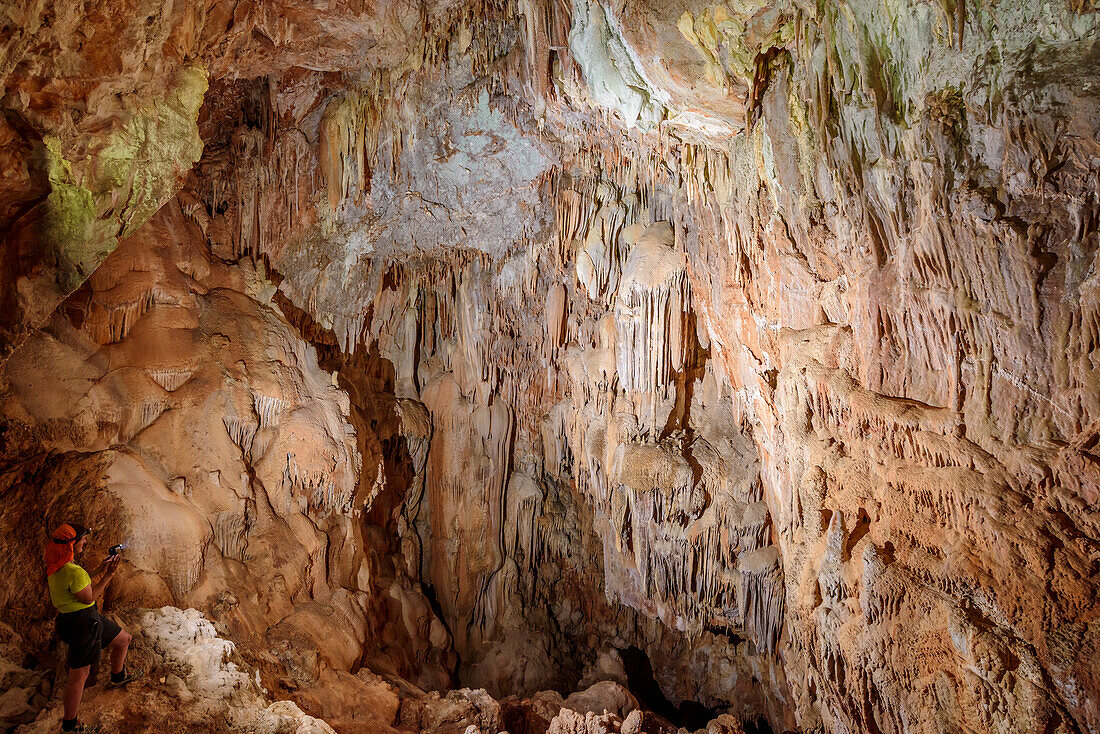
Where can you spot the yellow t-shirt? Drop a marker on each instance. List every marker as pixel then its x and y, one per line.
pixel 64 583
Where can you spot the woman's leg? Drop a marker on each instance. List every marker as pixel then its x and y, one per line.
pixel 74 690
pixel 119 646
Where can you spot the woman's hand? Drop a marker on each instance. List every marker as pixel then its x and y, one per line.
pixel 110 563
pixel 105 565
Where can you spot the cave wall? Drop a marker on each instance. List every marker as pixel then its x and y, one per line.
pixel 760 336
pixel 170 406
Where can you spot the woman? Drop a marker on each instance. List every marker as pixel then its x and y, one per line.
pixel 79 623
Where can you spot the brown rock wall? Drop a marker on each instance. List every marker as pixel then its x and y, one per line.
pixel 759 336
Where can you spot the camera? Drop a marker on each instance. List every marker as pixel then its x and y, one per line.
pixel 114 550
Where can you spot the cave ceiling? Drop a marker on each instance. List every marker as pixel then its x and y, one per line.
pixel 506 344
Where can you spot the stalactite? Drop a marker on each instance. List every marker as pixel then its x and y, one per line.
pixel 171 379
pixel 230 534
pixel 653 294
pixel 111 323
pixel 762 597
pixel 555 315
pixel 754 528
pixel 145 415
pixel 268 409
pixel 241 432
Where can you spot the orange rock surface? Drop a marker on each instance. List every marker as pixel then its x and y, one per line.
pixel 589 366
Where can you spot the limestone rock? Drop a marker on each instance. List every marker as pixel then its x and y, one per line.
pixel 753 341
pixel 600 698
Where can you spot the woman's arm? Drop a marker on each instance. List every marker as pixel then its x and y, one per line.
pixel 94 590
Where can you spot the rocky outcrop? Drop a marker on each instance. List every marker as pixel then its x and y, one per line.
pixel 755 337
pixel 182 416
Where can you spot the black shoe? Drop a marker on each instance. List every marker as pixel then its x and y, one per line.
pixel 126 677
pixel 81 728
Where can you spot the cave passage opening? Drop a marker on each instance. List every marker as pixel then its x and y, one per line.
pixel 757 726
pixel 689 714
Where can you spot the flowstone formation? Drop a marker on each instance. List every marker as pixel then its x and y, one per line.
pixel 576 367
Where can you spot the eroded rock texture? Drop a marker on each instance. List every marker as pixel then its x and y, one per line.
pixel 182 415
pixel 536 347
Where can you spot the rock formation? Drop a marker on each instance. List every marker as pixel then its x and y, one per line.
pixel 590 366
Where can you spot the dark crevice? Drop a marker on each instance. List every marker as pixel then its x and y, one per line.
pixel 428 590
pixel 862 527
pixel 757 726
pixel 639 675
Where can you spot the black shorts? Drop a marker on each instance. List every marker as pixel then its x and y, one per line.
pixel 86 633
